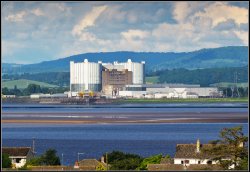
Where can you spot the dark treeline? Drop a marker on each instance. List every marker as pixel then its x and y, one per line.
pixel 31 89
pixel 204 77
pixel 55 78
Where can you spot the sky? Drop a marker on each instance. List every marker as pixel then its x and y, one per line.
pixel 41 31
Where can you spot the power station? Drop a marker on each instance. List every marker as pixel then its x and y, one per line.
pixel 127 79
pixel 105 77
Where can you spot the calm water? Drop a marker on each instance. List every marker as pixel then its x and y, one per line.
pixel 94 140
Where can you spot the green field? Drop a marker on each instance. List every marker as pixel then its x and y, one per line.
pixel 23 83
pixel 152 79
pixel 193 100
pixel 229 84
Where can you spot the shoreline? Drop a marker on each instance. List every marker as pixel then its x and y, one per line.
pixel 222 120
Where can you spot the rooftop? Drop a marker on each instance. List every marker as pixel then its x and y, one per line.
pixel 16 151
pixel 189 151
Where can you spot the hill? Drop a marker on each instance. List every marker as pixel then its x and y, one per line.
pixel 232 56
pixel 23 83
pixel 204 77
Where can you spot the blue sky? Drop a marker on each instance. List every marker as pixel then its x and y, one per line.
pixel 40 31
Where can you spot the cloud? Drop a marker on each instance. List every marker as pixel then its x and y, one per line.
pixel 37 12
pixel 135 34
pixel 18 17
pixel 44 31
pixel 226 25
pixel 87 21
pixel 221 12
pixel 243 35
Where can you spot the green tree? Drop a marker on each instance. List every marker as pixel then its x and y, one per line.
pixel 229 150
pixel 50 157
pixel 5 91
pixel 156 159
pixel 6 162
pixel 123 161
pixel 35 161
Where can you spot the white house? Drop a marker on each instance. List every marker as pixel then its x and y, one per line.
pixel 18 155
pixel 187 154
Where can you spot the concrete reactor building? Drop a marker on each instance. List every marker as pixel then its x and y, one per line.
pixel 106 77
pixel 85 76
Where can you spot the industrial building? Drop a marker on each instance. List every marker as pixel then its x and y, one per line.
pixel 85 76
pixel 168 91
pixel 114 80
pixel 127 79
pixel 105 77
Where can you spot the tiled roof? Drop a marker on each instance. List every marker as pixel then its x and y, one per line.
pixel 16 151
pixel 89 162
pixel 189 151
pixel 165 167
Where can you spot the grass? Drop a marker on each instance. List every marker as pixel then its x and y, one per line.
pixel 23 83
pixel 152 79
pixel 193 100
pixel 228 84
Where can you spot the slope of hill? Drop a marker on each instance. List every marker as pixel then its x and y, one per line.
pixel 232 56
pixel 23 83
pixel 204 77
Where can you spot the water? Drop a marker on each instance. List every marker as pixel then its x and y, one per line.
pixel 95 139
pixel 127 112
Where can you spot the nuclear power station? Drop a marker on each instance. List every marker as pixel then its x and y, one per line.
pixel 105 77
pixel 127 79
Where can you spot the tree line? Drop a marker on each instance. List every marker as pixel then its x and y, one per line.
pixel 204 77
pixel 31 89
pixel 55 78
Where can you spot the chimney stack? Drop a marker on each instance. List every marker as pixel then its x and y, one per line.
pixel 198 146
pixel 102 159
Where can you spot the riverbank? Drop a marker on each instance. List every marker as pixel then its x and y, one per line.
pixel 103 101
pixel 193 100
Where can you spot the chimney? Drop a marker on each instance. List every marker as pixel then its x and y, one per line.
pixel 241 145
pixel 102 159
pixel 198 144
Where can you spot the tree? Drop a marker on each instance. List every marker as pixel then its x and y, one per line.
pixel 50 158
pixel 6 162
pixel 123 161
pixel 5 91
pixel 156 159
pixel 229 150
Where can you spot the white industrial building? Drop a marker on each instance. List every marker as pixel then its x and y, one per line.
pixel 87 76
pixel 158 91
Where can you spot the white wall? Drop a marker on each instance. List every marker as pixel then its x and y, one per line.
pixel 136 94
pixel 192 161
pixel 20 164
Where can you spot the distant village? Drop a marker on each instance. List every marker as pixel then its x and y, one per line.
pixel 187 157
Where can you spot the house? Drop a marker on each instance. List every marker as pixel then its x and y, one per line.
pixel 18 155
pixel 187 154
pixel 90 164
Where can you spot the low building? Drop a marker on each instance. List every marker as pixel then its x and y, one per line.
pixel 8 96
pixel 90 164
pixel 187 154
pixel 18 155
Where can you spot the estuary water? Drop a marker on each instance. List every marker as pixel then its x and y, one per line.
pixel 94 140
